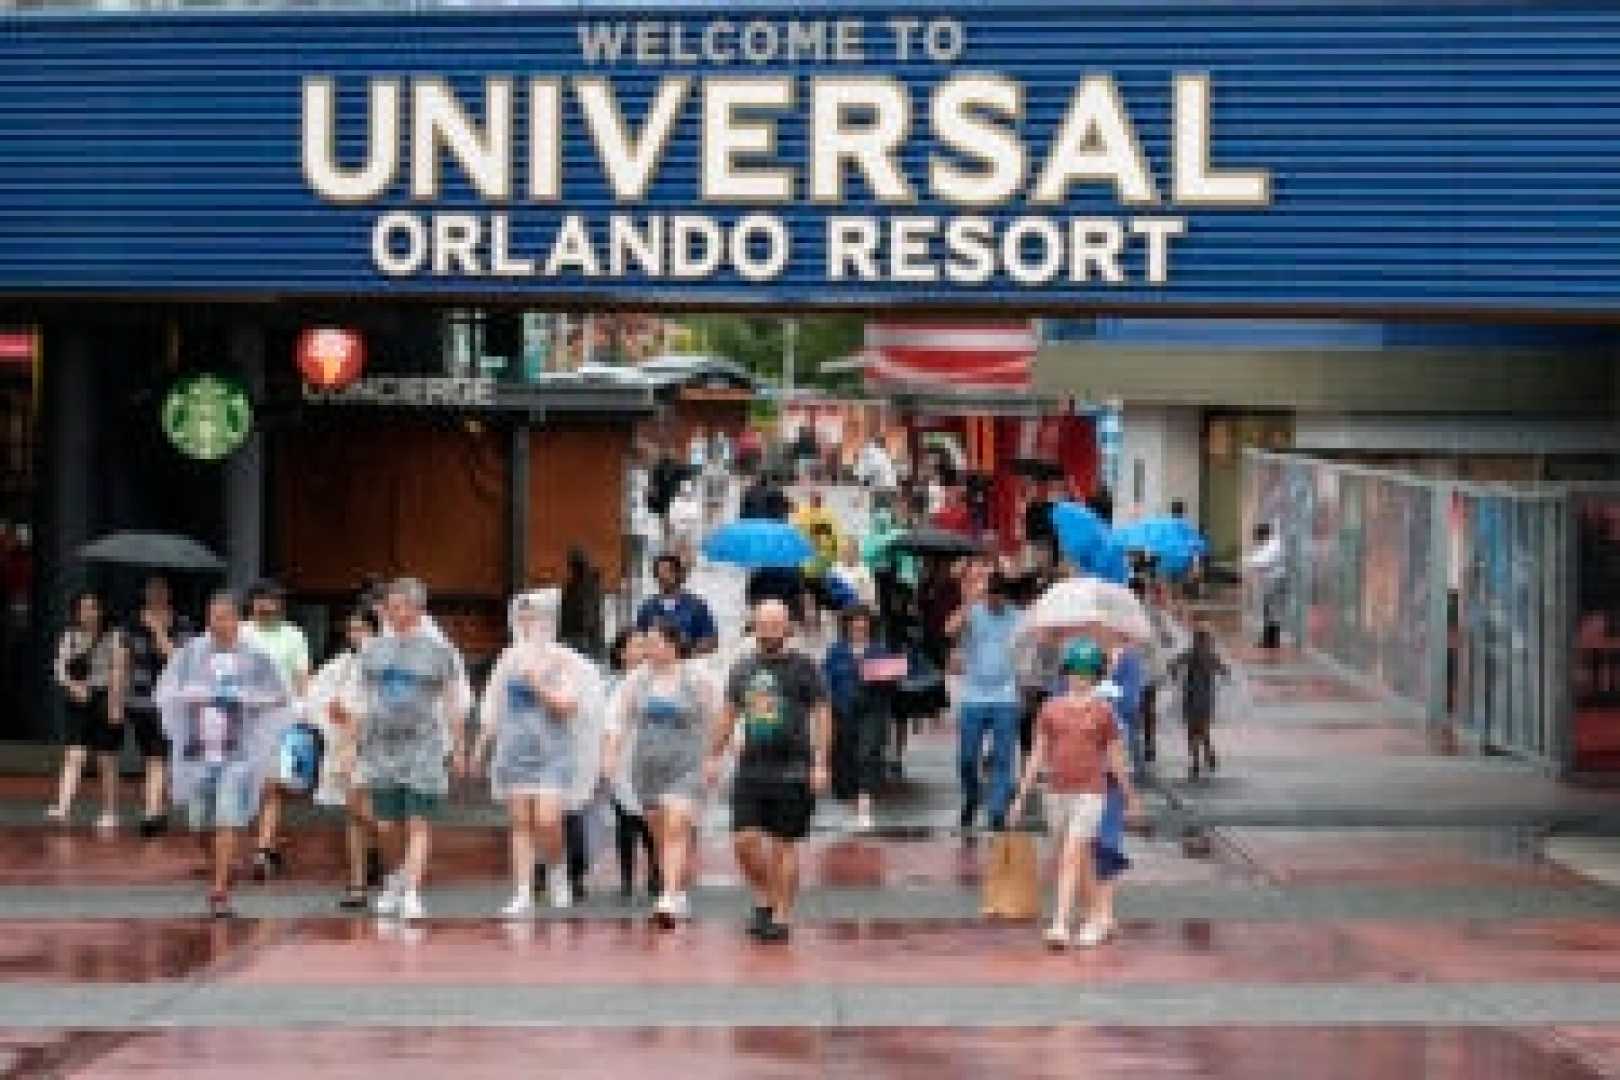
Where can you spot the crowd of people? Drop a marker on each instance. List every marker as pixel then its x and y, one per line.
pixel 839 660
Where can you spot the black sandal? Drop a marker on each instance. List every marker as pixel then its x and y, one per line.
pixel 219 905
pixel 354 899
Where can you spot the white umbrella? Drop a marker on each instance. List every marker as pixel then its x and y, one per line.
pixel 1090 605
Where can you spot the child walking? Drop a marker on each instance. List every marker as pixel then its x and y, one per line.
pixel 1078 743
pixel 1197 669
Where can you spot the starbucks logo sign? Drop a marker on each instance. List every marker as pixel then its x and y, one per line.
pixel 207 416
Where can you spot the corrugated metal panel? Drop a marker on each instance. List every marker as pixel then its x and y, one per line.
pixel 1424 156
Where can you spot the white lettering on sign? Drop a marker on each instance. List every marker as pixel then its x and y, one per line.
pixel 806 142
pixel 387 390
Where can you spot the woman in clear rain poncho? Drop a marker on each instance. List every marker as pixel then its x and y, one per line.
pixel 541 713
pixel 331 708
pixel 225 709
pixel 660 716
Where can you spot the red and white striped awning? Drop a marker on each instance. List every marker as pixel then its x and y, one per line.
pixel 950 355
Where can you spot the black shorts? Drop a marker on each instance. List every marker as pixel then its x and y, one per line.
pixel 147 724
pixel 88 726
pixel 779 810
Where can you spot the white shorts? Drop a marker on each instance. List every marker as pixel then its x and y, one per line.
pixel 1076 815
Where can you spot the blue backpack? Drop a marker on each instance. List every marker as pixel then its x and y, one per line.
pixel 300 766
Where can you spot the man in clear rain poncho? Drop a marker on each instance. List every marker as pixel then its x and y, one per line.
pixel 412 706
pixel 542 713
pixel 225 707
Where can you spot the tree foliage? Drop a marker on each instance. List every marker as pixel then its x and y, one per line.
pixel 760 343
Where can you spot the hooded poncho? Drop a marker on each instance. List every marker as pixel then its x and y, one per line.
pixel 537 752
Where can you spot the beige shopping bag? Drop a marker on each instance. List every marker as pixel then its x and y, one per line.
pixel 1012 878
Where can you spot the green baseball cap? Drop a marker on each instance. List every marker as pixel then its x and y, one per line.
pixel 1086 657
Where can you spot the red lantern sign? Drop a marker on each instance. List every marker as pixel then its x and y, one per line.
pixel 330 358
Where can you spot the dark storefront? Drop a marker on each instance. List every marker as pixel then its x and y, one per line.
pixel 237 177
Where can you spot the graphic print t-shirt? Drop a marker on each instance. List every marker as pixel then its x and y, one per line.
pixel 222 682
pixel 774 697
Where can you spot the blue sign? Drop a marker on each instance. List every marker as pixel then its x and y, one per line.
pixel 1178 156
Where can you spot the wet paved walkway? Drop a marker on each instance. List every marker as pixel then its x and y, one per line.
pixel 1372 906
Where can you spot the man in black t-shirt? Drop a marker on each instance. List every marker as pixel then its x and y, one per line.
pixel 777 696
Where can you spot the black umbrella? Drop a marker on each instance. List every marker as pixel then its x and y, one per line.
pixel 152 550
pixel 1037 469
pixel 934 542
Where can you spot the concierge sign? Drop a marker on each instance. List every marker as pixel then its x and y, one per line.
pixel 1177 155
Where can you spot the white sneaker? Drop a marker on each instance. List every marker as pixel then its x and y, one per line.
pixel 863 821
pixel 680 908
pixel 410 906
pixel 387 902
pixel 521 906
pixel 55 813
pixel 562 893
pixel 1056 937
pixel 107 822
pixel 1092 934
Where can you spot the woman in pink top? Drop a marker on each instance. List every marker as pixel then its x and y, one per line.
pixel 1077 742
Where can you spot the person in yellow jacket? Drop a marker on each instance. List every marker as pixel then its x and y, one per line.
pixel 820 527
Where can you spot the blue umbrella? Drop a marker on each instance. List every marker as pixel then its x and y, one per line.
pixel 1109 562
pixel 839 594
pixel 1082 535
pixel 1172 541
pixel 758 543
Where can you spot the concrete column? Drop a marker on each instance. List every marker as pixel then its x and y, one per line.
pixel 69 436
pixel 244 470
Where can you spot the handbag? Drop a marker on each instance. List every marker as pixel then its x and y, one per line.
pixel 1012 882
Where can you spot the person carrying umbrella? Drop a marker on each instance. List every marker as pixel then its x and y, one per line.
pixel 894 574
pixel 772 551
pixel 149 642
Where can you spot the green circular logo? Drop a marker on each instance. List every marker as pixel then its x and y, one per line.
pixel 207 416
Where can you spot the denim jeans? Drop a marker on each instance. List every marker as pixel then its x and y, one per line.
pixel 999 720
